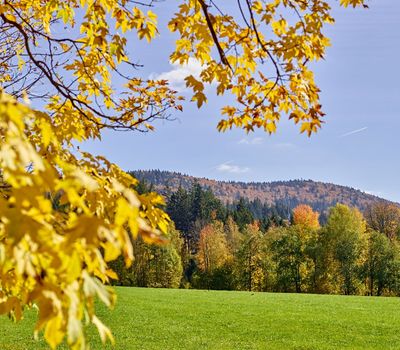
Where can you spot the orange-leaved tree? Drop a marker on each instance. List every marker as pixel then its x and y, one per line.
pixel 66 213
pixel 305 216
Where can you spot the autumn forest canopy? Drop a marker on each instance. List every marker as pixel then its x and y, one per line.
pixel 247 245
pixel 68 74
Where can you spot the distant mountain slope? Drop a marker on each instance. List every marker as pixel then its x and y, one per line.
pixel 319 195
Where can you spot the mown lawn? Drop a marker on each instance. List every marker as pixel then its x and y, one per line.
pixel 191 319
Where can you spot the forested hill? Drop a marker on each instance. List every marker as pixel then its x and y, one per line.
pixel 319 195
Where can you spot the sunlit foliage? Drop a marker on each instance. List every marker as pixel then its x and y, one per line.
pixel 66 213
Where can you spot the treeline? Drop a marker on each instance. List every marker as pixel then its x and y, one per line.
pixel 320 196
pixel 213 246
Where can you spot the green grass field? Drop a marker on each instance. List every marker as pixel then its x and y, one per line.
pixel 191 319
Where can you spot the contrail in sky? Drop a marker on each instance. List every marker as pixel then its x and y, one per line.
pixel 354 132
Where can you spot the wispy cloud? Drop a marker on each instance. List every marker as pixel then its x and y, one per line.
pixel 228 167
pixel 354 132
pixel 176 76
pixel 253 141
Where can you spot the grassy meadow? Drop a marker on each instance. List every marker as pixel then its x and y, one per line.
pixel 194 319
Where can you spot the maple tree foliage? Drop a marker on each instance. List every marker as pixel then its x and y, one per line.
pixel 66 213
pixel 63 217
pixel 261 57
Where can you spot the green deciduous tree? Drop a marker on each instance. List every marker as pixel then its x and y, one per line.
pixel 153 265
pixel 233 235
pixel 345 238
pixel 289 257
pixel 381 268
pixel 250 262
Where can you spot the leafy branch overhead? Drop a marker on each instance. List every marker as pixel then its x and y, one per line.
pixel 258 51
pixel 66 213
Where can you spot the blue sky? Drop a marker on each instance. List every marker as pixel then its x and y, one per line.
pixel 358 146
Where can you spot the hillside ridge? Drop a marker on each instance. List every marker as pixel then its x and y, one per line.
pixel 320 195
